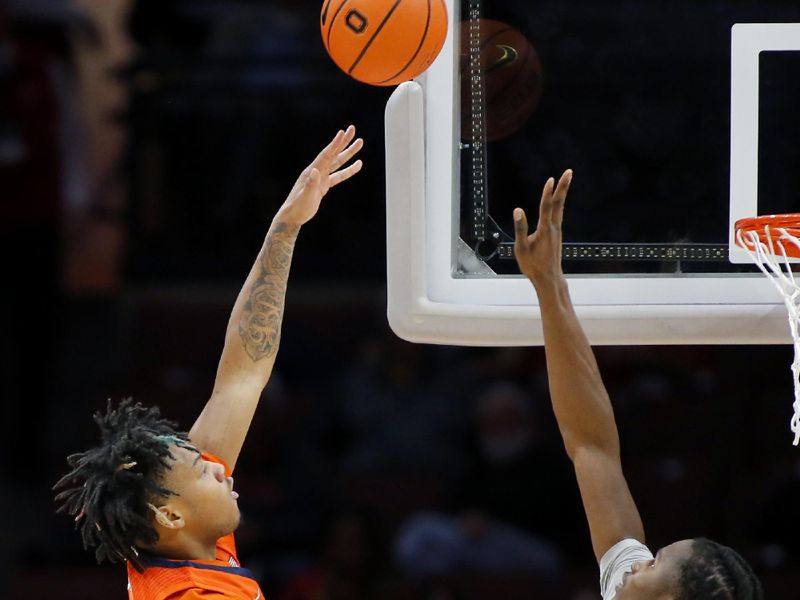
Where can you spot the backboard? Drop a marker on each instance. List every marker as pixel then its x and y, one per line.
pixel 677 117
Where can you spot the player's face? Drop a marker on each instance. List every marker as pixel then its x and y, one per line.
pixel 653 579
pixel 206 498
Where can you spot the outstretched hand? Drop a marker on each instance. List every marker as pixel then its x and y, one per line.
pixel 539 254
pixel 327 171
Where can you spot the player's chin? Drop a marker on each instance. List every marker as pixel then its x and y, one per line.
pixel 236 508
pixel 230 508
pixel 237 520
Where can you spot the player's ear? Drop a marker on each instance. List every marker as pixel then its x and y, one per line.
pixel 168 516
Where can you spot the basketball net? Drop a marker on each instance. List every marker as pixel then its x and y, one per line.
pixel 772 258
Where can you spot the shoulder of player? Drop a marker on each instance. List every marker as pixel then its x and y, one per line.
pixel 169 579
pixel 178 575
pixel 206 594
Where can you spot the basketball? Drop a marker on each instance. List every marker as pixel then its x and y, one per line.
pixel 512 76
pixel 383 42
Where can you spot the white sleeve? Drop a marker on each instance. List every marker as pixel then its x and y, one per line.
pixel 617 561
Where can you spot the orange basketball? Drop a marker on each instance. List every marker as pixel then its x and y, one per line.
pixel 383 42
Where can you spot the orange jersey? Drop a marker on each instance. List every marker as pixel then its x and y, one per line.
pixel 218 579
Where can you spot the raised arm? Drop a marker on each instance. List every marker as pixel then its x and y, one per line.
pixel 254 328
pixel 580 401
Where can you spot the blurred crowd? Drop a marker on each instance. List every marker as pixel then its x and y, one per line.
pixel 143 148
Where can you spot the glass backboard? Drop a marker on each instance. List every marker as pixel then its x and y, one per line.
pixel 678 118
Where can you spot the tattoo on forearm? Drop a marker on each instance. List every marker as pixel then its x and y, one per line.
pixel 260 323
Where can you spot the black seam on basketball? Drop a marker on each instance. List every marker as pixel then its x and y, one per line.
pixel 324 16
pixel 333 22
pixel 375 35
pixel 416 53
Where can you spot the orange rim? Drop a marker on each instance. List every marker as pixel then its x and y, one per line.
pixel 766 227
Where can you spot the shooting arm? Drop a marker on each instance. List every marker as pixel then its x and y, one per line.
pixel 251 345
pixel 254 328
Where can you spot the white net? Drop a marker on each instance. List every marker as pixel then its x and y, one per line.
pixel 770 256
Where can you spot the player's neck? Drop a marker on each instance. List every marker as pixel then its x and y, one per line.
pixel 183 547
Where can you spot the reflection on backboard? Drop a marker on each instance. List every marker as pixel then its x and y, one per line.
pixel 658 116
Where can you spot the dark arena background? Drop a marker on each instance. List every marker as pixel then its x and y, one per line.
pixel 144 147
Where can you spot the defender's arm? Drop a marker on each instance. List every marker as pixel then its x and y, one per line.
pixel 580 401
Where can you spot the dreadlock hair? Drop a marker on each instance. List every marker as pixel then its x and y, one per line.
pixel 111 487
pixel 716 572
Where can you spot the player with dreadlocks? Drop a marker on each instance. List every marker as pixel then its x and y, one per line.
pixel 697 569
pixel 162 500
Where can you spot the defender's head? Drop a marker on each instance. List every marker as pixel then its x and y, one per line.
pixel 697 569
pixel 145 487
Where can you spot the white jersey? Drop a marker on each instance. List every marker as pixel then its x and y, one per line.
pixel 617 561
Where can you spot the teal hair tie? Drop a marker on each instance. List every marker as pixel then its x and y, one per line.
pixel 171 439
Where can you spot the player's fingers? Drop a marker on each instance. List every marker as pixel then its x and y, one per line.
pixel 560 196
pixel 349 135
pixel 345 174
pixel 343 142
pixel 331 150
pixel 348 153
pixel 520 226
pixel 546 204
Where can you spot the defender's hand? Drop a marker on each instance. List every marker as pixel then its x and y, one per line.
pixel 326 171
pixel 539 254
